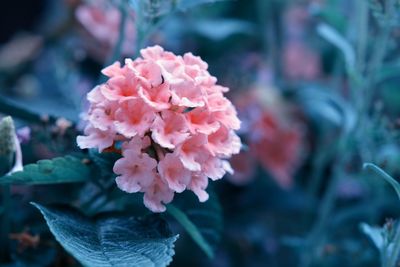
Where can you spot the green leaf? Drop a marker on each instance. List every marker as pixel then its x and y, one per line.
pixel 327 109
pixel 376 234
pixel 386 240
pixel 191 229
pixel 335 38
pixel 184 5
pixel 202 221
pixel 111 239
pixel 66 169
pixel 104 161
pixel 384 175
pixel 220 29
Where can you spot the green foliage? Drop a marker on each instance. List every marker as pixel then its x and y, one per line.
pixel 104 162
pixel 202 221
pixel 111 239
pixel 184 5
pixel 335 38
pixel 386 240
pixel 66 169
pixel 326 109
pixel 384 175
pixel 220 29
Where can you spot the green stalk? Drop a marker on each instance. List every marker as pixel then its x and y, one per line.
pixel 5 223
pixel 117 51
pixel 5 218
pixel 391 262
pixel 8 107
pixel 316 237
pixel 123 9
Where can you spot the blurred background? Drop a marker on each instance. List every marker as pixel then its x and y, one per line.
pixel 315 83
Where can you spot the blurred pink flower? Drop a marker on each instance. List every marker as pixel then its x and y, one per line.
pixel 300 62
pixel 102 19
pixel 273 139
pixel 174 123
pixel 276 146
pixel 135 170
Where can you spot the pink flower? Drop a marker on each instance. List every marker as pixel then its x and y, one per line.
pixel 95 138
pixel 198 185
pixel 300 61
pixel 170 121
pixel 224 142
pixel 193 151
pixel 174 173
pixel 121 87
pixel 200 120
pixel 277 147
pixel 187 94
pixel 134 117
pixel 136 171
pixel 156 97
pixel 274 140
pixel 157 194
pixel 169 129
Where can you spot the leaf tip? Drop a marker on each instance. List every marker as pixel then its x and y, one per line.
pixel 366 165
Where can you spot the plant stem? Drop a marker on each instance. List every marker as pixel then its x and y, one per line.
pixel 380 49
pixel 5 223
pixel 315 236
pixel 362 37
pixel 117 51
pixel 396 249
pixel 9 108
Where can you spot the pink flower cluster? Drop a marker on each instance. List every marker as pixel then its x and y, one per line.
pixel 274 138
pixel 169 120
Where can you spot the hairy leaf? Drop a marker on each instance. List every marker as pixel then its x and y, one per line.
pixel 66 169
pixel 111 239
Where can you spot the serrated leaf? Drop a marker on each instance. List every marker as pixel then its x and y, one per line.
pixel 384 175
pixel 111 239
pixel 66 169
pixel 202 221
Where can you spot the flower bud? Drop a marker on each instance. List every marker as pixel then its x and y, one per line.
pixel 7 131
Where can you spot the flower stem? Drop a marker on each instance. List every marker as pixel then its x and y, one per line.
pixel 5 223
pixel 396 249
pixel 8 107
pixel 117 51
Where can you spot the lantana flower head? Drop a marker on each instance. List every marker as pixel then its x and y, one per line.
pixel 170 121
